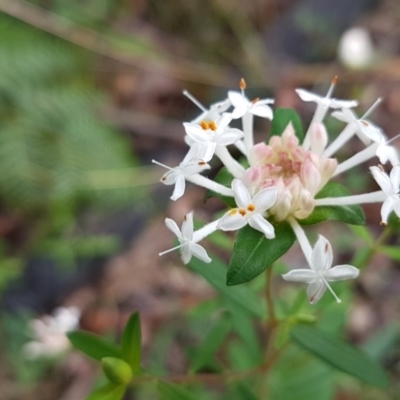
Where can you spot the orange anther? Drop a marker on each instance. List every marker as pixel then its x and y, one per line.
pixel 254 101
pixel 204 125
pixel 242 212
pixel 251 207
pixel 242 84
pixel 212 125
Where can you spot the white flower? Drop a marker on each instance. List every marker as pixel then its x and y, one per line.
pixel 212 134
pixel 250 210
pixel 390 185
pixel 191 165
pixel 242 105
pixel 321 272
pixel 50 333
pixel 386 153
pixel 187 240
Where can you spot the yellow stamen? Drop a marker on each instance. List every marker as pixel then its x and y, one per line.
pixel 212 125
pixel 204 125
pixel 233 211
pixel 251 207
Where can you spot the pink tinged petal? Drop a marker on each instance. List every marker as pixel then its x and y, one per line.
pixel 310 176
pixel 318 138
pixel 387 208
pixel 259 223
pixel 242 195
pixel 197 133
pixel 315 290
pixel 382 180
pixel 170 177
pixel 265 199
pixel 305 95
pixel 262 111
pixel 199 252
pixel 187 226
pixel 300 275
pixel 259 152
pixel 233 220
pixel 395 178
pixel 322 255
pixel 341 273
pixel 230 136
pixel 179 189
pixel 173 227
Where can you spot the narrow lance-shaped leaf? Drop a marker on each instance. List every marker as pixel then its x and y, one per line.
pixel 349 214
pixel 212 342
pixel 94 346
pixel 339 354
pixel 253 253
pixel 131 342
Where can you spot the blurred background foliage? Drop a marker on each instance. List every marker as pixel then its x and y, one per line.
pixel 90 91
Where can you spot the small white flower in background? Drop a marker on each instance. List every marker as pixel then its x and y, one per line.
pixel 390 185
pixel 355 48
pixel 321 272
pixel 50 333
pixel 187 239
pixel 251 210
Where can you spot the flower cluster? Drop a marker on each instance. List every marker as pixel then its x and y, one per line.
pixel 282 180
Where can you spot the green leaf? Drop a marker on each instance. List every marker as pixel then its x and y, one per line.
pixel 116 370
pixel 215 274
pixel 339 354
pixel 282 117
pixel 171 391
pixel 253 253
pixel 93 346
pixel 392 252
pixel 108 392
pixel 382 341
pixel 131 342
pixel 349 214
pixel 212 342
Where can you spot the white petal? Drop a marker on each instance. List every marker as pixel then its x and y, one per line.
pixel 186 253
pixel 341 273
pixel 173 227
pixel 230 136
pixel 382 180
pixel 238 100
pixel 242 195
pixel 387 208
pixel 262 111
pixel 395 178
pixel 305 95
pixel 300 275
pixel 265 198
pixel 233 220
pixel 179 189
pixel 396 207
pixel 343 116
pixel 170 177
pixel 315 290
pixel 322 255
pixel 197 133
pixel 199 252
pixel 259 223
pixel 223 121
pixel 195 167
pixel 187 226
pixel 369 132
pixel 343 103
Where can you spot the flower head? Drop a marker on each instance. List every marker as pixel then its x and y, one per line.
pixel 242 106
pixel 321 272
pixel 298 173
